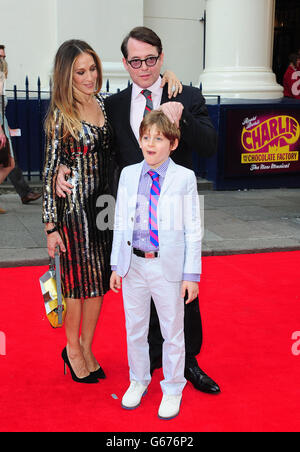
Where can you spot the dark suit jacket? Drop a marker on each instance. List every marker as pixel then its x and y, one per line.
pixel 197 132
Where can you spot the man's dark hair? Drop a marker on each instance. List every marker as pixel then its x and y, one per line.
pixel 2 47
pixel 143 34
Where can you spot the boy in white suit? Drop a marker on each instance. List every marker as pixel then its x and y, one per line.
pixel 157 252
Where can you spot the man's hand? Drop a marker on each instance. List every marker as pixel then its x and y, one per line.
pixel 62 186
pixel 173 110
pixel 115 282
pixel 192 288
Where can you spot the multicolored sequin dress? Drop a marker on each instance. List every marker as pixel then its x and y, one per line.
pixel 85 267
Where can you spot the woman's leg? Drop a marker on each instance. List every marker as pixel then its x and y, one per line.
pixel 72 328
pixel 90 314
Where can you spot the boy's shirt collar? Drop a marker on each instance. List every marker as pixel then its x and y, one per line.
pixel 161 170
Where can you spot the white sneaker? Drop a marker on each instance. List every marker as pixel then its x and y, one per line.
pixel 133 396
pixel 170 406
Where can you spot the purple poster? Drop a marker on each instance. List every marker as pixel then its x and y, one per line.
pixel 262 142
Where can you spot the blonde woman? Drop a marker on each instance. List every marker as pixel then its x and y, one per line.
pixel 78 136
pixel 4 171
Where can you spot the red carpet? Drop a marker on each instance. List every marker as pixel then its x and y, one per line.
pixel 250 309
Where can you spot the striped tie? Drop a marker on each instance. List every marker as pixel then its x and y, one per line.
pixel 154 195
pixel 149 104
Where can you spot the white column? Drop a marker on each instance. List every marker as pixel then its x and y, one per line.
pixel 239 49
pixel 177 23
pixel 33 30
pixel 104 28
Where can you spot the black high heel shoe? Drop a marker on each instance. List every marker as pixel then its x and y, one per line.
pixel 99 373
pixel 90 379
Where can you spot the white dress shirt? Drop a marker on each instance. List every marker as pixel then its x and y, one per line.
pixel 138 104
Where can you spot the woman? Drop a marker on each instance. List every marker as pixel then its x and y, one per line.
pixel 78 136
pixel 4 171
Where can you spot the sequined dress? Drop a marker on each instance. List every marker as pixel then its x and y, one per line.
pixel 85 267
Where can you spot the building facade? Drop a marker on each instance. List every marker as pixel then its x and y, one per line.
pixel 227 45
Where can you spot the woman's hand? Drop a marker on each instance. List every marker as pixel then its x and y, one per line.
pixel 174 85
pixel 54 240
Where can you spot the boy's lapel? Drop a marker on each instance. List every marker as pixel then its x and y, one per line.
pixel 166 190
pixel 135 179
pixel 170 177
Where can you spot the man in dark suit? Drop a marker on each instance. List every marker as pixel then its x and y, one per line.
pixel 143 59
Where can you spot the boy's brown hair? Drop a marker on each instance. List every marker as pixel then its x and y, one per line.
pixel 164 125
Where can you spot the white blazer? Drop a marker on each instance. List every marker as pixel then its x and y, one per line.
pixel 179 222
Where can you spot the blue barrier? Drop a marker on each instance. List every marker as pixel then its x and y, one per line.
pixel 28 115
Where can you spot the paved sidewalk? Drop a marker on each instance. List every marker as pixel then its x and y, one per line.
pixel 235 222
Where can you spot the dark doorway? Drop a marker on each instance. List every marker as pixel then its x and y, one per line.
pixel 287 35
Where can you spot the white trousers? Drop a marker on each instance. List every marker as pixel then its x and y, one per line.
pixel 145 280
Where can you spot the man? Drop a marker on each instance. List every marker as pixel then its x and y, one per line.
pixel 143 59
pixel 16 175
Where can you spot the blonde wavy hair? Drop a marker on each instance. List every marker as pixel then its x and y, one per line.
pixel 63 97
pixel 3 67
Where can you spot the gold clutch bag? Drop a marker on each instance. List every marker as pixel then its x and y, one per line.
pixel 54 301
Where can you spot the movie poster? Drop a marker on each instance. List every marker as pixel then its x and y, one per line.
pixel 262 142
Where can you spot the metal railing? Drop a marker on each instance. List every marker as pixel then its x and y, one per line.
pixel 27 110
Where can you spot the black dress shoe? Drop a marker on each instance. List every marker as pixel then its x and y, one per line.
pixel 200 380
pixel 31 196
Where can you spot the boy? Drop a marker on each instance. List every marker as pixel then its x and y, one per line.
pixel 157 252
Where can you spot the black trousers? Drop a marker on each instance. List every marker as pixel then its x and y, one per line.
pixel 192 332
pixel 17 179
